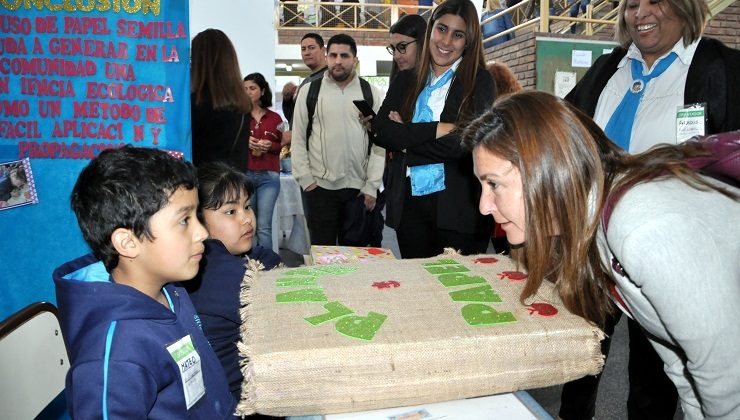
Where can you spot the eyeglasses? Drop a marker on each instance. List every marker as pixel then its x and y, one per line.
pixel 400 47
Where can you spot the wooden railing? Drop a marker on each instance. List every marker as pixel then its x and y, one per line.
pixel 600 16
pixel 528 15
pixel 535 15
pixel 327 15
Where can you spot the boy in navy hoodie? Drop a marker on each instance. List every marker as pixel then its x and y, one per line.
pixel 134 340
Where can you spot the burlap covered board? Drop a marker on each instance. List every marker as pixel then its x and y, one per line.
pixel 348 337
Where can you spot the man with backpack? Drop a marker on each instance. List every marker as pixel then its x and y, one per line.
pixel 313 54
pixel 333 159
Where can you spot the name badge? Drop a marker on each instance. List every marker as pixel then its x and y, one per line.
pixel 188 361
pixel 691 120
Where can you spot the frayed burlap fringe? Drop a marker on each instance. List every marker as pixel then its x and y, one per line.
pixel 245 406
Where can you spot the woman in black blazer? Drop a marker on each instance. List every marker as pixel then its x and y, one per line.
pixel 419 121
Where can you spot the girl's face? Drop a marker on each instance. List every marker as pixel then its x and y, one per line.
pixel 447 42
pixel 502 194
pixel 407 59
pixel 232 224
pixel 253 91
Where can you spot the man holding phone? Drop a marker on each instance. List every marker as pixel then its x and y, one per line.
pixel 334 161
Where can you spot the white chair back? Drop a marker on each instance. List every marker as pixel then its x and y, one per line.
pixel 33 361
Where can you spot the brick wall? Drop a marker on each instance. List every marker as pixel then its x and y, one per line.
pixel 519 55
pixel 726 26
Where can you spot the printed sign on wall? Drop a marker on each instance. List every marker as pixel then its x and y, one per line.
pixel 77 79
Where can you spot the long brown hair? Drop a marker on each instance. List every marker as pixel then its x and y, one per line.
pixel 472 59
pixel 568 166
pixel 215 74
pixel 505 79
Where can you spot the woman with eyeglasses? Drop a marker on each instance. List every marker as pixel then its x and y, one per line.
pixel 432 195
pixel 407 40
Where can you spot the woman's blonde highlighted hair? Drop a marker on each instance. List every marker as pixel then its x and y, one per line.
pixel 694 15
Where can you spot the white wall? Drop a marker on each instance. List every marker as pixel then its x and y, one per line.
pixel 250 24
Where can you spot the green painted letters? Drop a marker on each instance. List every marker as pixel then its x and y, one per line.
pixel 296 281
pixel 476 294
pixel 361 327
pixel 335 310
pixel 459 279
pixel 300 272
pixel 446 269
pixel 444 261
pixel 303 295
pixel 477 314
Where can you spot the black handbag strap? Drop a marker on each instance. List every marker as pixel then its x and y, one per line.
pixel 233 145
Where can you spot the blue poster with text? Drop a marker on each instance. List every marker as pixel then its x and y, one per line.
pixel 78 77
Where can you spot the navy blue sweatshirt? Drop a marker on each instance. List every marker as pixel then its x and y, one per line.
pixel 215 294
pixel 118 338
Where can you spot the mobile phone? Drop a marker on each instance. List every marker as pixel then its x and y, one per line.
pixel 364 107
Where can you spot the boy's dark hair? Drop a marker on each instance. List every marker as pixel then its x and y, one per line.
pixel 316 37
pixel 219 183
pixel 124 188
pixel 343 39
pixel 259 80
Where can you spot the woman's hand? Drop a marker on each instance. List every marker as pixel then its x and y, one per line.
pixel 264 145
pixel 395 117
pixel 254 143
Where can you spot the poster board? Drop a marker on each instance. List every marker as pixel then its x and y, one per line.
pixel 77 78
pixel 554 55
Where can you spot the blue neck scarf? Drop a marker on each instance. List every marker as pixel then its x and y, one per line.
pixel 428 179
pixel 423 112
pixel 619 127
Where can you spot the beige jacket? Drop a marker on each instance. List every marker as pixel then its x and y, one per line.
pixel 337 155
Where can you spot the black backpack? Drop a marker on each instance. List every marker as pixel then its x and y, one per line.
pixel 313 97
